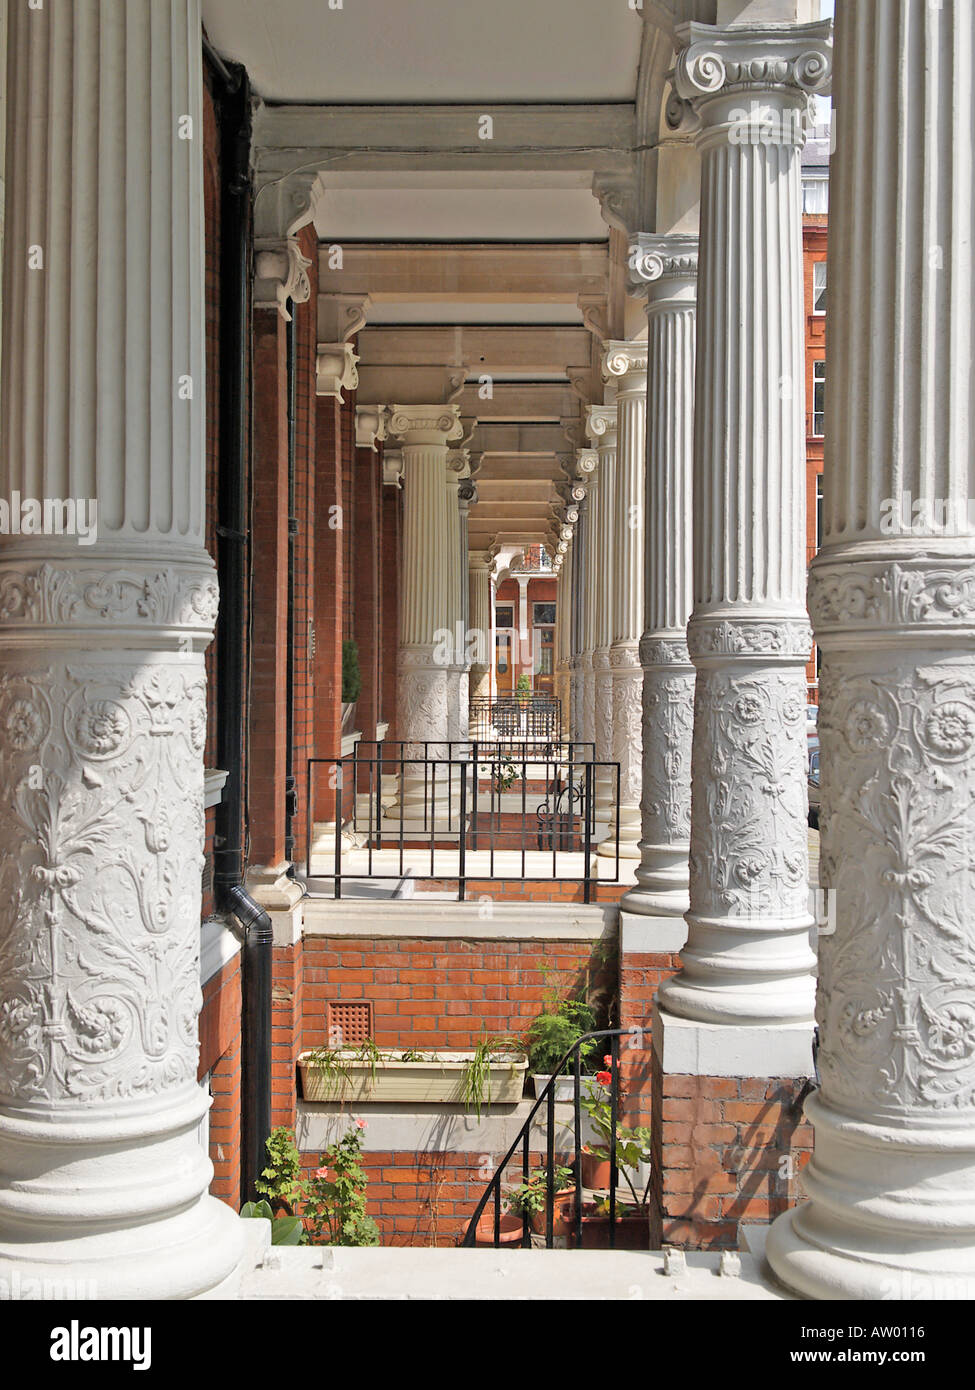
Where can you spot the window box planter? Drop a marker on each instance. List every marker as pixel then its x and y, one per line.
pixel 441 1079
pixel 632 1230
pixel 565 1086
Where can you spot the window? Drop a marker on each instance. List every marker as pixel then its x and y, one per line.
pixel 819 510
pixel 504 616
pixel 503 648
pixel 543 613
pixel 819 399
pixel 819 287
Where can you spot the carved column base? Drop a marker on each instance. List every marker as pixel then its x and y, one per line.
pixel 602 705
pixel 480 683
pixel 427 692
pixel 748 957
pixel 626 676
pixel 891 1215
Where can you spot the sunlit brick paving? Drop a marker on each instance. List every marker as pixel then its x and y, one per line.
pixel 486 738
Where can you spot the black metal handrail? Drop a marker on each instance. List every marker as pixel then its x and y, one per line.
pixel 533 717
pixel 523 1139
pixel 568 811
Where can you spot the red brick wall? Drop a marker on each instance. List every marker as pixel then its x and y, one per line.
pixel 220 1056
pixel 367 614
pixel 727 1150
pixel 306 414
pixel 446 993
pixel 640 977
pixel 287 992
pixel 329 587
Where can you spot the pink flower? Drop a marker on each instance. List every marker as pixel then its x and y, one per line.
pixel 321 1172
pixel 361 1124
pixel 608 1060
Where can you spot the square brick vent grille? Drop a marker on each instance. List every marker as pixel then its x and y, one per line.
pixel 349 1023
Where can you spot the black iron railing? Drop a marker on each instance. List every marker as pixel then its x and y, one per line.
pixel 458 799
pixel 572 1061
pixel 534 718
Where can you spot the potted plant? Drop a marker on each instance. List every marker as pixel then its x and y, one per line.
pixel 523 689
pixel 492 1073
pixel 285 1230
pixel 351 684
pixel 597 1162
pixel 531 1198
pixel 511 1228
pixel 549 1038
pixel 335 1195
pixel 280 1180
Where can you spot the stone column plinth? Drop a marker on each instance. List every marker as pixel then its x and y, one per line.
pixel 666 266
pixel 891 1184
pixel 625 363
pixel 748 958
pixel 106 608
pixel 430 551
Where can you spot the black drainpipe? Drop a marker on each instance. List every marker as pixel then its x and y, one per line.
pixel 290 784
pixel 234 117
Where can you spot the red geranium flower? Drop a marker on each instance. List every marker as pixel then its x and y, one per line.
pixel 604 1078
pixel 608 1060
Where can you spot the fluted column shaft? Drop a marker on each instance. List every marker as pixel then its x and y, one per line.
pixel 625 363
pixel 431 548
pixel 748 958
pixel 892 598
pixel 480 624
pixel 667 268
pixel 587 625
pixel 601 429
pixel 102 680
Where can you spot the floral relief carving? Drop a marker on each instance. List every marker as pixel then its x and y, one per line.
pixel 891 595
pixel 627 733
pixel 895 1006
pixel 423 705
pixel 59 597
pixel 668 723
pixel 748 834
pixel 99 972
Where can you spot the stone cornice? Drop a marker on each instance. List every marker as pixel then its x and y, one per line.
pixel 721 62
pixel 335 370
pixel 280 274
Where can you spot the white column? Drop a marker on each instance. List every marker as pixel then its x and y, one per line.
pixel 102 680
pixel 626 364
pixel 525 653
pixel 892 597
pixel 430 551
pixel 588 598
pixel 480 624
pixel 601 430
pixel 667 267
pixel 748 958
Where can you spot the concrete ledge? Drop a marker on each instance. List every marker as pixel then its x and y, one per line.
pixel 408 1273
pixel 651 936
pixel 690 1048
pixel 433 1128
pixel 219 944
pixel 477 921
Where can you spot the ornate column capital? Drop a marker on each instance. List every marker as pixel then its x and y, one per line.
pixel 601 425
pixel 719 70
pixel 626 363
pixel 370 426
pixel 662 267
pixel 335 370
pixel 426 424
pixel 280 274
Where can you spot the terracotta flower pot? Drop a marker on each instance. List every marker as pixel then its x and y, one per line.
pixel 596 1171
pixel 632 1232
pixel 510 1232
pixel 563 1215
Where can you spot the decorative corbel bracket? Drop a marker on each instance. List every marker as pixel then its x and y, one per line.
pixel 280 274
pixel 335 370
pixel 370 426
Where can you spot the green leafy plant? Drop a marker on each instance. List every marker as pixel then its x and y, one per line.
pixel 632 1144
pixel 285 1230
pixel 334 1068
pixel 351 675
pixel 505 775
pixel 531 1196
pixel 477 1072
pixel 411 1055
pixel 552 1033
pixel 280 1177
pixel 335 1195
pixel 523 687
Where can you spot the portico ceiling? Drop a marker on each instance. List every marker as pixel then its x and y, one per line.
pixel 403 51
